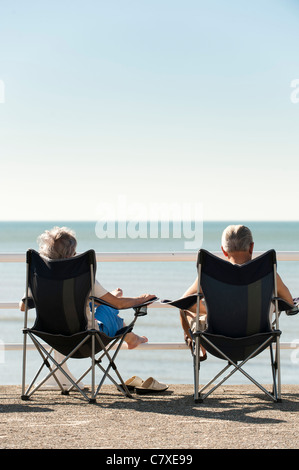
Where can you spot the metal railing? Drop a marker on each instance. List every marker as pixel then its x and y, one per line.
pixel 150 256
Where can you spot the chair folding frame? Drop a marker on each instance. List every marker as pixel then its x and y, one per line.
pixel 77 343
pixel 222 345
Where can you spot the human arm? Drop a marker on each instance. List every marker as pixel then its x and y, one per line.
pixel 120 303
pixel 283 292
pixel 191 291
pixel 22 304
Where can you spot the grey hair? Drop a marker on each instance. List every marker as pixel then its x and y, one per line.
pixel 57 243
pixel 236 238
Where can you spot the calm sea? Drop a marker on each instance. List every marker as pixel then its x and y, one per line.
pixel 166 280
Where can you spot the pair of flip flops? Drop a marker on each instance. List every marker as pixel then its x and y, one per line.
pixel 149 385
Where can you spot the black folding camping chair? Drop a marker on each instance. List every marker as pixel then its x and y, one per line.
pixel 59 291
pixel 238 300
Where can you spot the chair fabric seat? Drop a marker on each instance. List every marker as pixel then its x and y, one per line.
pixel 67 343
pixel 237 349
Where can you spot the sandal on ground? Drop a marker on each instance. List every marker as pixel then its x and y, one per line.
pixel 151 385
pixel 133 382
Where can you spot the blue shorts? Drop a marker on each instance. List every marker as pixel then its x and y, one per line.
pixel 108 320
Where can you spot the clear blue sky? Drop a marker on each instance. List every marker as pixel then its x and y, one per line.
pixel 151 100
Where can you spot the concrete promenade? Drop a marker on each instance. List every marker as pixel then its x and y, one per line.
pixel 234 417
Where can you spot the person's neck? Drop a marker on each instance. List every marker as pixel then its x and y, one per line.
pixel 239 257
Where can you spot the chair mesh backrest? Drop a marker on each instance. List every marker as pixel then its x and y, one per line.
pixel 60 290
pixel 238 297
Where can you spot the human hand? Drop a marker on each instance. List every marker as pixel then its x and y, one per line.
pixel 147 297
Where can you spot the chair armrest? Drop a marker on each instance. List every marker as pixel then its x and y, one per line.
pixel 285 306
pixel 140 309
pixel 30 302
pixel 102 302
pixel 183 303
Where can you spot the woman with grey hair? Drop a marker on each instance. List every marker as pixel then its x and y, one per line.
pixel 61 243
pixel 57 243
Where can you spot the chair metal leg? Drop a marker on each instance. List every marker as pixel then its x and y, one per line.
pixel 275 396
pixel 24 366
pixel 196 365
pixel 278 369
pixel 92 399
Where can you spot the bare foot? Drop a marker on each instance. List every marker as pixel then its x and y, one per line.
pixel 133 340
pixel 117 292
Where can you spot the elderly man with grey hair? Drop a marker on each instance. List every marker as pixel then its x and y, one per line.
pixel 237 246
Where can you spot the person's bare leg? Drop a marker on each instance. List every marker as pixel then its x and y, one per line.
pixel 186 327
pixel 186 319
pixel 131 338
pixel 134 340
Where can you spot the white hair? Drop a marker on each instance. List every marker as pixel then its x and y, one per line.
pixel 57 243
pixel 236 238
